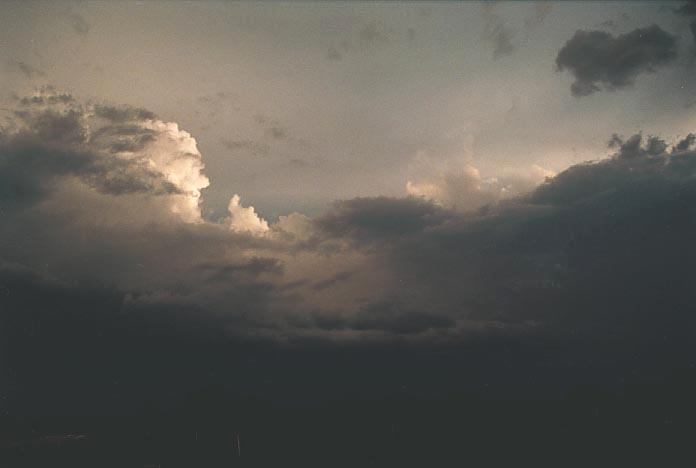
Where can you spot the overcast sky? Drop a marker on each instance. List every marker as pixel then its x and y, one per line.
pixel 310 201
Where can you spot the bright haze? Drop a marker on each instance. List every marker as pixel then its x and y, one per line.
pixel 222 217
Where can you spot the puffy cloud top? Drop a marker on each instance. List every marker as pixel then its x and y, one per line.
pixel 117 150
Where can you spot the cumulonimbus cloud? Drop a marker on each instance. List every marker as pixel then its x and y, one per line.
pixel 427 267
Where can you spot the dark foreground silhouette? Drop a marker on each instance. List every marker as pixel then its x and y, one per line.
pixel 651 422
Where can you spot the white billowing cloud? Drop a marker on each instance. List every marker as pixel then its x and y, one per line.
pixel 174 154
pixel 465 188
pixel 119 150
pixel 245 219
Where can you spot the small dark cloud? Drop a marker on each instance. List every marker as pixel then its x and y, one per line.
pixel 298 163
pixel 46 100
pixel 277 132
pixel 686 143
pixel 597 58
pixel 271 127
pixel 29 71
pixel 541 10
pixel 374 32
pixel 122 113
pixel 334 54
pixel 366 36
pixel 256 148
pixel 78 23
pixel 496 31
pixel 219 98
pixel 633 147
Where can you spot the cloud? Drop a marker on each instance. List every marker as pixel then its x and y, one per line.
pixel 689 10
pixel 256 148
pixel 597 58
pixel 245 219
pixel 295 225
pixel 364 36
pixel 272 128
pixel 374 32
pixel 334 54
pixel 589 266
pixel 78 23
pixel 635 161
pixel 536 263
pixel 91 194
pixel 541 10
pixel 29 71
pixel 379 217
pixel 117 150
pixel 496 31
pixel 685 143
pixel 122 114
pixel 327 283
pixel 465 189
pixel 387 317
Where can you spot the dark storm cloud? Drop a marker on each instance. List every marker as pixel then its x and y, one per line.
pixel 111 300
pixel 689 10
pixel 597 58
pixel 570 257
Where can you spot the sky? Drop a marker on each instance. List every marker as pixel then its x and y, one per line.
pixel 295 105
pixel 305 202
